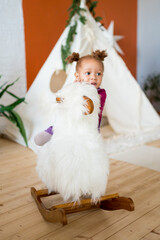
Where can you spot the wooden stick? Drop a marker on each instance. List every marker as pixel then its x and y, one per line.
pixel 85 202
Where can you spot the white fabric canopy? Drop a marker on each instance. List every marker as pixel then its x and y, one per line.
pixel 128 110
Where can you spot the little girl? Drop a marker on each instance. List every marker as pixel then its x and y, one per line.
pixel 89 69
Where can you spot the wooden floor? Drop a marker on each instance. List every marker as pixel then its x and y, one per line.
pixel 20 218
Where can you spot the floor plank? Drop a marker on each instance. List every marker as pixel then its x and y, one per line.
pixel 155 143
pixel 153 235
pixel 136 230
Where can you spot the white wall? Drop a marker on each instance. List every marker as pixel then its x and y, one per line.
pixel 148 42
pixel 12 47
pixel 12 51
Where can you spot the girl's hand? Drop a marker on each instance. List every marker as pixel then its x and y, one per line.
pixel 88 105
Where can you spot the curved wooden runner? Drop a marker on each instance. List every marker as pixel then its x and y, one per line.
pixel 57 213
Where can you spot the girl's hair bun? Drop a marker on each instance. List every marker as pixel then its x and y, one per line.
pixel 100 55
pixel 73 58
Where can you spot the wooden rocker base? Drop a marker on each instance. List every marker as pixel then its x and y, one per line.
pixel 58 213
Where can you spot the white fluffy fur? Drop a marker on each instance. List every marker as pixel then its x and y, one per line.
pixel 74 162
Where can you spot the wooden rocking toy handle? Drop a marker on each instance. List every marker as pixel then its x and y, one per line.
pixel 88 104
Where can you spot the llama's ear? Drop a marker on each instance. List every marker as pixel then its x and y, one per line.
pixel 88 105
pixel 59 99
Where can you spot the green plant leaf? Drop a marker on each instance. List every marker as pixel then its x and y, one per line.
pixel 11 106
pixel 98 19
pixel 9 113
pixel 75 9
pixel 82 19
pixel 9 85
pixel 65 49
pixel 92 6
pixel 19 124
pixel 13 95
pixel 3 85
pixel 82 9
pixel 157 98
pixel 152 87
pixel 8 116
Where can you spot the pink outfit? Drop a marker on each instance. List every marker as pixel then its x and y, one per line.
pixel 103 95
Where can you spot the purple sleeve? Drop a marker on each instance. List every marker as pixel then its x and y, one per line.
pixel 49 130
pixel 103 95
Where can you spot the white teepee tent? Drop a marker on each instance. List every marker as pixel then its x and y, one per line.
pixel 129 112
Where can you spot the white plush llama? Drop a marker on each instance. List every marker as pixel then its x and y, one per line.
pixel 74 162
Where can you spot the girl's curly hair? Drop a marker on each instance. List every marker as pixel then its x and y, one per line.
pixel 73 58
pixel 98 55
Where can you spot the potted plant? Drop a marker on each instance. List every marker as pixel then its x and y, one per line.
pixel 152 90
pixel 9 112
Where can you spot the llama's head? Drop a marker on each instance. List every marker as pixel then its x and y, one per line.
pixel 77 105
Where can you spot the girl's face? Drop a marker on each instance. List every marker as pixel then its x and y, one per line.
pixel 90 71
